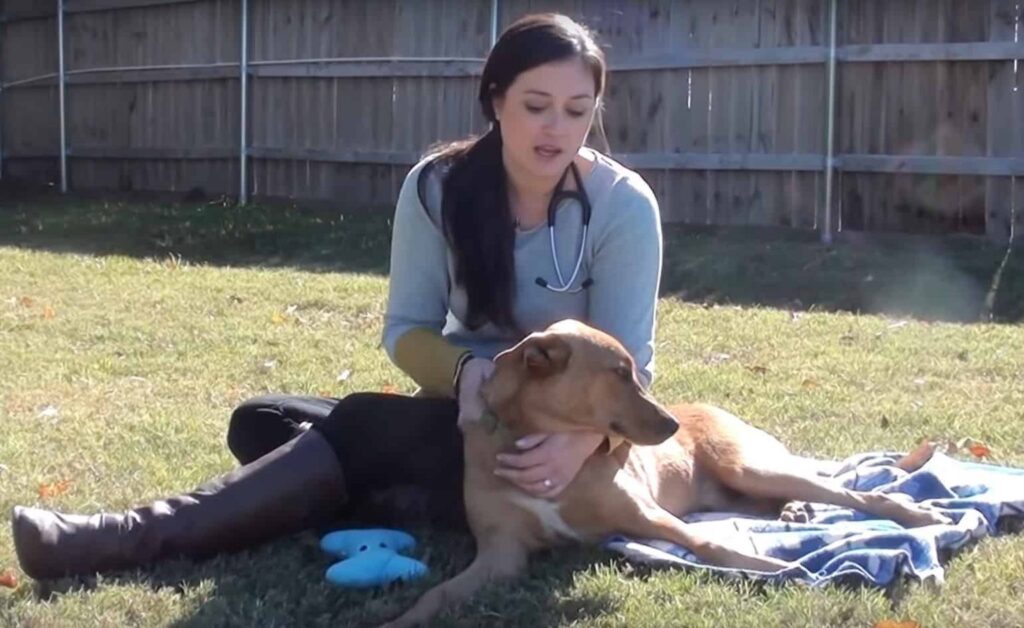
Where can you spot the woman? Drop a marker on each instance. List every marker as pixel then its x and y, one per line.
pixel 472 271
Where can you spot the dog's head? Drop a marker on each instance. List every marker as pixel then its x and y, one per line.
pixel 572 377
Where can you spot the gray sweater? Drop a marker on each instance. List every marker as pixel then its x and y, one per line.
pixel 623 256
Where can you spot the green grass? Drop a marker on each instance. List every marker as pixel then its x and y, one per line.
pixel 128 332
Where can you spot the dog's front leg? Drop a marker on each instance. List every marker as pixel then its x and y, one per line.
pixel 498 558
pixel 654 522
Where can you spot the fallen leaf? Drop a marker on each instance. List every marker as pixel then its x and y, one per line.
pixel 8 579
pixel 344 375
pixel 897 324
pixel 268 365
pixel 979 450
pixel 884 422
pixel 277 318
pixel 291 309
pixel 810 383
pixel 757 368
pixel 55 489
pixel 890 623
pixel 389 389
pixel 49 312
pixel 25 301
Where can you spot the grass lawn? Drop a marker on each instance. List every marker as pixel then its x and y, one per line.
pixel 128 332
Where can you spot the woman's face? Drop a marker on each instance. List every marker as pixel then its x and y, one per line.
pixel 545 115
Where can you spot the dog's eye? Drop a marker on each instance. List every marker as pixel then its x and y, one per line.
pixel 624 372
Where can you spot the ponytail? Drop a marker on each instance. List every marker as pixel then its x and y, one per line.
pixel 479 228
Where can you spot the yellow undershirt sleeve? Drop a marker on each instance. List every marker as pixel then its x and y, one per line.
pixel 430 360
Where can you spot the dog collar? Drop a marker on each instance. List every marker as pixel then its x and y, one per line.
pixel 495 427
pixel 489 421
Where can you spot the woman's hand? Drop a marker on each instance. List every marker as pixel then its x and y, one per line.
pixel 548 462
pixel 474 373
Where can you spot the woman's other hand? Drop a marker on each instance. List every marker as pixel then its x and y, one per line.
pixel 474 373
pixel 547 462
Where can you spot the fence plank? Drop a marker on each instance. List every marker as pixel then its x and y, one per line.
pixel 29 115
pixel 999 197
pixel 38 36
pixel 84 6
pixel 860 124
pixel 971 21
pixel 974 51
pixel 933 165
pixel 700 94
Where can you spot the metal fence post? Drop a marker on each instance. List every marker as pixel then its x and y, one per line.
pixel 243 63
pixel 61 80
pixel 494 22
pixel 826 227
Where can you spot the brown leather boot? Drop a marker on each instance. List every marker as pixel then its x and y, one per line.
pixel 295 487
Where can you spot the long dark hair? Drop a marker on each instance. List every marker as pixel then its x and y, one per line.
pixel 477 219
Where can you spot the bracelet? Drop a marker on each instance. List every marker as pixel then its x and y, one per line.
pixel 456 379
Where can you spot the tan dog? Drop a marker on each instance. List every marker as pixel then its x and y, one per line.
pixel 572 378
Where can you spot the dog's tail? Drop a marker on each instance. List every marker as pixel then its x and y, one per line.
pixel 499 559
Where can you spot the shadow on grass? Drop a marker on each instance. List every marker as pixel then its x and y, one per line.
pixel 282 584
pixel 948 278
pixel 315 238
pixel 944 278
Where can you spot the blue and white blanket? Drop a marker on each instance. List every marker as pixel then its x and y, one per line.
pixel 839 543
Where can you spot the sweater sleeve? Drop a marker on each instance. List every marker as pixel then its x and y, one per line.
pixel 418 291
pixel 626 268
pixel 627 275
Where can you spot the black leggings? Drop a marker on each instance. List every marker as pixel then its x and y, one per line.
pixel 383 441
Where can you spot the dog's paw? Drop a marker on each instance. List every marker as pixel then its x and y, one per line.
pixel 902 509
pixel 797 512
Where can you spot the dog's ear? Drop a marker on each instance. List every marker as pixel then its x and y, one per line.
pixel 539 355
pixel 545 354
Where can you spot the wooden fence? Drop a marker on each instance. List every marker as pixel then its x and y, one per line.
pixel 886 115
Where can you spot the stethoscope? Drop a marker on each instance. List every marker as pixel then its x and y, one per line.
pixel 561 194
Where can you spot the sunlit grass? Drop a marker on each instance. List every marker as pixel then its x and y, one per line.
pixel 123 353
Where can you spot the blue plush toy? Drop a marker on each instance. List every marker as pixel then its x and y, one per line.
pixel 371 557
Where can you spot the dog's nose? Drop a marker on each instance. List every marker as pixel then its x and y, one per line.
pixel 669 425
